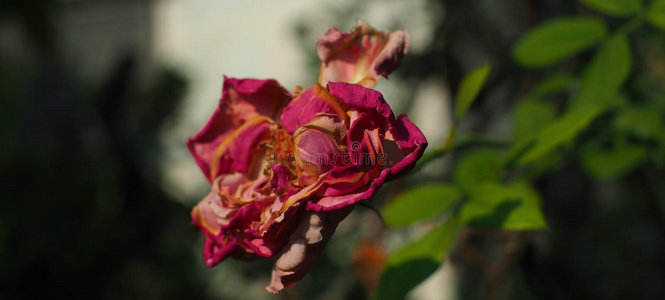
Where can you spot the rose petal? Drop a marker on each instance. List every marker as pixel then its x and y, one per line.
pixel 365 141
pixel 269 236
pixel 312 102
pixel 360 98
pixel 241 101
pixel 342 200
pixel 214 253
pixel 202 146
pixel 410 140
pixel 204 217
pixel 406 136
pixel 235 152
pixel 227 240
pixel 360 56
pixel 347 179
pixel 249 213
pixel 281 179
pixel 318 149
pixel 247 98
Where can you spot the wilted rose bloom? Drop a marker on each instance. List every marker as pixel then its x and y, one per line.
pixel 286 169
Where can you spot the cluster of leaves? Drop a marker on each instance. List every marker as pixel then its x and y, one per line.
pixel 611 131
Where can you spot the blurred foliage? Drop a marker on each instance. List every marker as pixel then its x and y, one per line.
pixel 558 39
pixel 569 204
pixel 469 89
pixel 420 203
pixel 413 263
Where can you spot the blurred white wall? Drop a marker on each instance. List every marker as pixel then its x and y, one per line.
pixel 211 38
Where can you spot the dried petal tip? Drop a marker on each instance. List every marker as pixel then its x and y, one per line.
pixel 287 264
pixel 275 285
pixel 361 56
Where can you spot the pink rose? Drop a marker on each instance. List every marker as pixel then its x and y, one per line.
pixel 286 169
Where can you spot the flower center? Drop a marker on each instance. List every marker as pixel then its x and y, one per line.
pixel 281 146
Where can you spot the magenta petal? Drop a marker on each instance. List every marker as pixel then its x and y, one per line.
pixel 238 149
pixel 279 231
pixel 247 214
pixel 202 146
pixel 248 98
pixel 261 247
pixel 312 102
pixel 332 203
pixel 281 179
pixel 346 179
pixel 318 149
pixel 229 240
pixel 242 100
pixel 361 98
pixel 410 140
pixel 274 239
pixel 269 237
pixel 214 253
pixel 360 56
pixel 365 141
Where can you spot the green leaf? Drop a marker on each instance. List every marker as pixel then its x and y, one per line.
pixel 477 166
pixel 517 151
pixel 606 73
pixel 512 207
pixel 552 84
pixel 599 88
pixel 556 40
pixel 420 203
pixel 412 264
pixel 617 8
pixel 469 89
pixel 645 122
pixel 558 132
pixel 656 14
pixel 603 163
pixel 531 116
